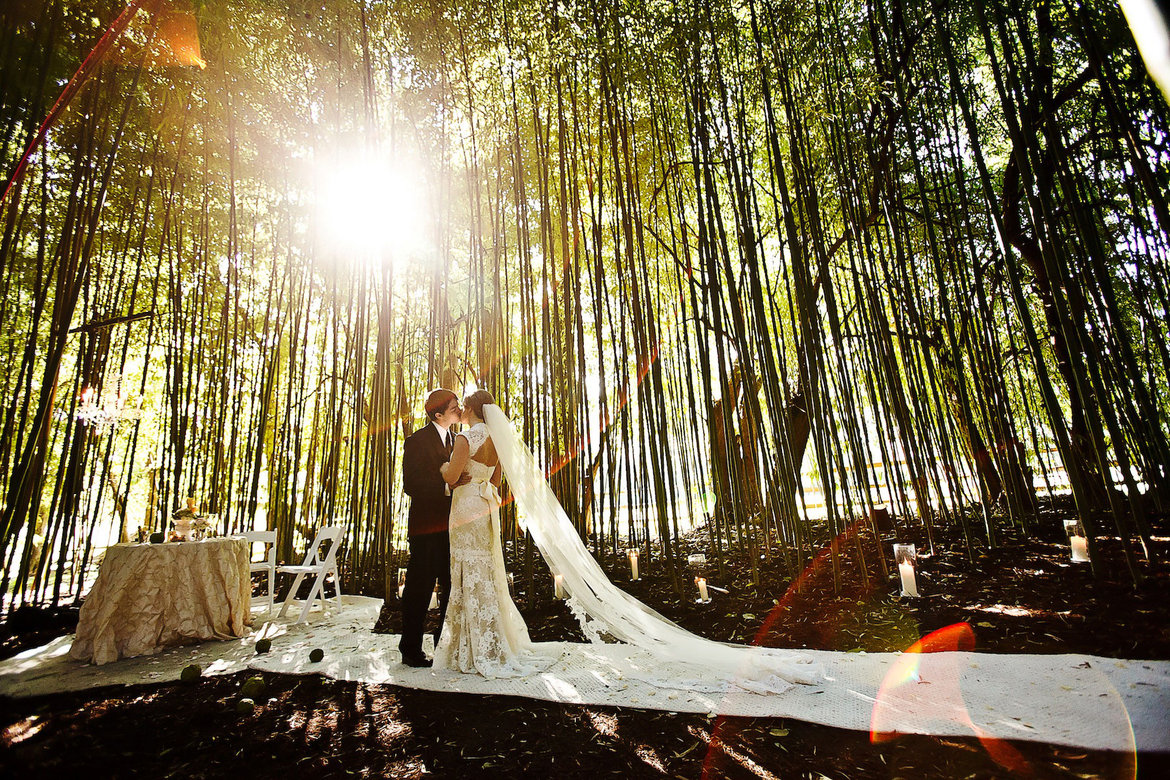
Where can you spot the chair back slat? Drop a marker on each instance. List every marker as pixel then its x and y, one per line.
pixel 261 537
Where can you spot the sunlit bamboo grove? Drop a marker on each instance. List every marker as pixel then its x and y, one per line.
pixel 758 267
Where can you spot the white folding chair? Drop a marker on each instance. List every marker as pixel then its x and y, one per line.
pixel 268 539
pixel 318 566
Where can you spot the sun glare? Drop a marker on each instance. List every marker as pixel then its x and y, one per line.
pixel 373 208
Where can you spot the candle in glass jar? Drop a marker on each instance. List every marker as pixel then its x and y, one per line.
pixel 1080 549
pixel 906 570
pixel 633 564
pixel 702 583
pixel 434 600
pixel 559 585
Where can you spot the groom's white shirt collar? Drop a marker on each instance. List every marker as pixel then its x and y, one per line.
pixel 443 438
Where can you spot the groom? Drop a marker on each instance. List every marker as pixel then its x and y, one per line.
pixel 426 450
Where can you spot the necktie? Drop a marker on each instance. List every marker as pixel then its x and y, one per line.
pixel 450 442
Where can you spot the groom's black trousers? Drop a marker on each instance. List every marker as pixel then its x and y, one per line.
pixel 430 560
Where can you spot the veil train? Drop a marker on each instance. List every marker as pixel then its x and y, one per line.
pixel 603 608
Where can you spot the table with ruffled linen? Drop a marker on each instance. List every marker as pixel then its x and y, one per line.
pixel 149 596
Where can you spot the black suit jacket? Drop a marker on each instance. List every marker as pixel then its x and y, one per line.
pixel 430 506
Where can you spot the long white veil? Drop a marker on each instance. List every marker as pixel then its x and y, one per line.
pixel 599 604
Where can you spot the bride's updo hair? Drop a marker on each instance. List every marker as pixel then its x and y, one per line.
pixel 477 401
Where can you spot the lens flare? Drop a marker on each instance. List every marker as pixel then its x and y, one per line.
pixel 178 34
pixel 897 695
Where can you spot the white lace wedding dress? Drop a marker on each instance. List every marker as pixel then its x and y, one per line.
pixel 483 631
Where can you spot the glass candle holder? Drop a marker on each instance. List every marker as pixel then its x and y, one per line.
pixel 701 584
pixel 906 557
pixel 1078 543
pixel 559 586
pixel 632 554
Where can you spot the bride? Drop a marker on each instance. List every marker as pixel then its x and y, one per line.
pixel 484 632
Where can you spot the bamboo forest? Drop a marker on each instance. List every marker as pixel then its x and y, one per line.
pixel 765 286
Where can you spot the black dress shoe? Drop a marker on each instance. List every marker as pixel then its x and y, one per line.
pixel 418 661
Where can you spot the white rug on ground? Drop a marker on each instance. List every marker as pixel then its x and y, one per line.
pixel 1086 701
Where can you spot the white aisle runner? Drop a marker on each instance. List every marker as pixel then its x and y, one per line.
pixel 1086 701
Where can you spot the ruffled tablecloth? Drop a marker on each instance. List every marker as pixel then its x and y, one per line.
pixel 149 596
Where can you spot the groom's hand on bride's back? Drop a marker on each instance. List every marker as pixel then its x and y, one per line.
pixel 464 478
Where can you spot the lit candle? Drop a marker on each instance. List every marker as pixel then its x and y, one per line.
pixel 559 585
pixel 633 555
pixel 434 600
pixel 702 583
pixel 906 570
pixel 1080 549
pixel 511 582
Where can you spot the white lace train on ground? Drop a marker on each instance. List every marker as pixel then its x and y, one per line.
pixel 680 658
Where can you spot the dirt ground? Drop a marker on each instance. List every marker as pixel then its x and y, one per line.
pixel 1022 596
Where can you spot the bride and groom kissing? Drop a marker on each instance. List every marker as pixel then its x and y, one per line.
pixel 454 537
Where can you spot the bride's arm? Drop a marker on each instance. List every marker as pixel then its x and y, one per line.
pixel 452 470
pixel 497 474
